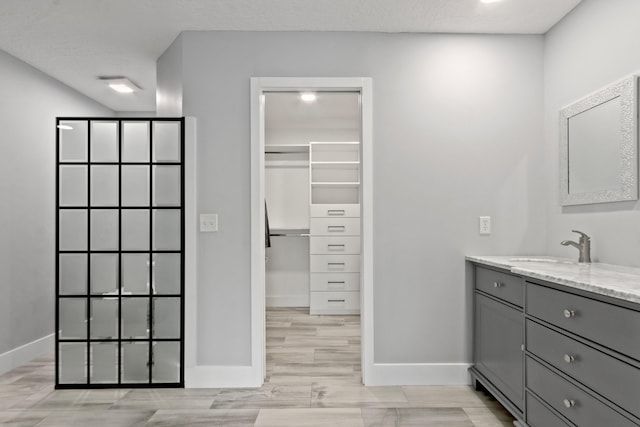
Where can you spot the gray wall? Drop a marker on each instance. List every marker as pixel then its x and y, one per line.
pixel 30 103
pixel 169 81
pixel 596 44
pixel 457 134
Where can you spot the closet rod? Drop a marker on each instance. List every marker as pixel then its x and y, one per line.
pixel 289 234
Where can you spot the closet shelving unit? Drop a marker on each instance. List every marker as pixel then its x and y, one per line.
pixel 334 187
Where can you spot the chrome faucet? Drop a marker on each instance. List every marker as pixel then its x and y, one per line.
pixel 583 245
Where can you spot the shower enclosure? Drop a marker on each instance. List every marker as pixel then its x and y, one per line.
pixel 119 252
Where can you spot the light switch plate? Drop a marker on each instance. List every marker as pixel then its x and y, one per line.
pixel 485 225
pixel 208 223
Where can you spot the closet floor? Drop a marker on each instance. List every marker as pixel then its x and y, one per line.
pixel 313 379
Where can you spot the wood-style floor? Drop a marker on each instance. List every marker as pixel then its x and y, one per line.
pixel 313 379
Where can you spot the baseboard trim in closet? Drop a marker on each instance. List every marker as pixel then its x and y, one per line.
pixel 26 353
pixel 277 301
pixel 383 374
pixel 217 376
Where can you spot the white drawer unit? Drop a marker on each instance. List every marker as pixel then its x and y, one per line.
pixel 331 245
pixel 335 226
pixel 335 303
pixel 335 211
pixel 334 264
pixel 334 243
pixel 322 282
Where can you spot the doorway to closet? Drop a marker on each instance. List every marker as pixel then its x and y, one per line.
pixel 343 171
pixel 312 267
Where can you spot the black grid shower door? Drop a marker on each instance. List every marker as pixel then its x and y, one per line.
pixel 119 252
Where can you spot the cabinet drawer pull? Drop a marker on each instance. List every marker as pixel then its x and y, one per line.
pixel 569 358
pixel 569 313
pixel 335 212
pixel 335 264
pixel 569 403
pixel 498 285
pixel 338 282
pixel 335 247
pixel 336 228
pixel 336 300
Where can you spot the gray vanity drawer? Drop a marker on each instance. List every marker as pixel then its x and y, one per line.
pixel 606 324
pixel 538 415
pixel 617 381
pixel 501 285
pixel 584 410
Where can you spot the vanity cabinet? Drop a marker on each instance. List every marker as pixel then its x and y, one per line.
pixel 498 336
pixel 582 358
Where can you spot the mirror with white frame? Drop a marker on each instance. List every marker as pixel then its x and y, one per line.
pixel 598 146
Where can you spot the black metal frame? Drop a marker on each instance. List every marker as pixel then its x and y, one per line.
pixel 88 252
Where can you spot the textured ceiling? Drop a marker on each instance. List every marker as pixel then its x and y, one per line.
pixel 77 40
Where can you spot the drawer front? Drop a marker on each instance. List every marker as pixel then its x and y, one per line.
pixel 334 281
pixel 538 415
pixel 328 245
pixel 334 264
pixel 501 285
pixel 334 303
pixel 335 211
pixel 335 226
pixel 617 381
pixel 576 405
pixel 606 324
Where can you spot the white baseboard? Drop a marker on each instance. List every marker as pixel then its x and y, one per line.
pixel 222 377
pixel 287 300
pixel 418 374
pixel 25 353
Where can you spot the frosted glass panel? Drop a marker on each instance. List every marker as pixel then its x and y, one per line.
pixel 166 141
pixel 135 273
pixel 135 142
pixel 73 363
pixel 135 185
pixel 166 318
pixel 166 273
pixel 73 141
pixel 73 185
pixel 166 362
pixel 104 186
pixel 135 230
pixel 104 273
pixel 166 186
pixel 135 363
pixel 135 318
pixel 104 318
pixel 73 230
pixel 73 318
pixel 73 274
pixel 104 229
pixel 104 141
pixel 104 363
pixel 166 229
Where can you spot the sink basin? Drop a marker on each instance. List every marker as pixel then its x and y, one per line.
pixel 541 259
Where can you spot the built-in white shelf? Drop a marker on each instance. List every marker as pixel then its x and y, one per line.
pixel 337 165
pixel 286 148
pixel 336 184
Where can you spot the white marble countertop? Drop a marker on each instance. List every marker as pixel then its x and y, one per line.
pixel 605 279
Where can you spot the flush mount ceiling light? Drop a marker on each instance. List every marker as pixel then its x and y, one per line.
pixel 120 84
pixel 308 96
pixel 489 1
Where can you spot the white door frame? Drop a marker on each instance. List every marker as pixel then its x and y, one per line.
pixel 259 85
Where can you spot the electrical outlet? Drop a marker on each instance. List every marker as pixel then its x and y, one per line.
pixel 208 223
pixel 485 225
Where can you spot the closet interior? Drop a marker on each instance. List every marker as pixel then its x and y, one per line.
pixel 313 192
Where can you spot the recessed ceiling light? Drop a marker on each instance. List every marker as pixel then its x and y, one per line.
pixel 120 84
pixel 308 96
pixel 489 1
